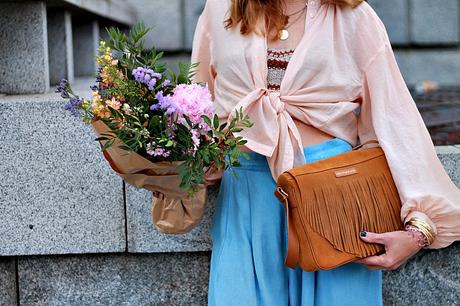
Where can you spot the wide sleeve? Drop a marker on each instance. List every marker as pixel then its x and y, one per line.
pixel 201 51
pixel 389 113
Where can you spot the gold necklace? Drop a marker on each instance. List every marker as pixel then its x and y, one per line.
pixel 283 34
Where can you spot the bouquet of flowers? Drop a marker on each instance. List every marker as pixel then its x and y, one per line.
pixel 156 129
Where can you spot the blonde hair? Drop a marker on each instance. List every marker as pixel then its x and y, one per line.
pixel 248 12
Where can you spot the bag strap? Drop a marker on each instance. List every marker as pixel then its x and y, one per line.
pixel 292 256
pixel 365 143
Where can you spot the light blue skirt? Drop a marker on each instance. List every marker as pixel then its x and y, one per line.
pixel 249 236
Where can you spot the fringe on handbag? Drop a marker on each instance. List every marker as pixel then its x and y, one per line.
pixel 330 201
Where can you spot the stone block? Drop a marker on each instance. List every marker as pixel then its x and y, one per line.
pixel 141 279
pixel 440 65
pixel 60 45
pixel 57 193
pixel 430 278
pixel 395 16
pixel 85 45
pixel 450 158
pixel 434 21
pixel 143 237
pixel 24 48
pixel 173 60
pixel 7 282
pixel 120 11
pixel 193 9
pixel 166 19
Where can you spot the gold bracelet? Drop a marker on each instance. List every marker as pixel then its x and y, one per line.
pixel 423 227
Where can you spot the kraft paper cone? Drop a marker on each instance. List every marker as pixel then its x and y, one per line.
pixel 176 212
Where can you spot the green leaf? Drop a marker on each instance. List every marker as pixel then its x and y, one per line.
pixel 216 121
pixel 223 126
pixel 206 120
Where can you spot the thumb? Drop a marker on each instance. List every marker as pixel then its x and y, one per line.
pixel 372 237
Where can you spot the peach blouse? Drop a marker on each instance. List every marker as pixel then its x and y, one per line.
pixel 342 79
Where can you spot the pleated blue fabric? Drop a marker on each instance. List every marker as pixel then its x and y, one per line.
pixel 249 243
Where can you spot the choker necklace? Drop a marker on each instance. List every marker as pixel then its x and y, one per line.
pixel 284 34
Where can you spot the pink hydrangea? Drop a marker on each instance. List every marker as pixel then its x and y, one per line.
pixel 194 101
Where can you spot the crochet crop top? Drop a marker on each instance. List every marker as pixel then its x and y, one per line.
pixel 277 61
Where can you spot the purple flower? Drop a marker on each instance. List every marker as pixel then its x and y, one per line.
pixel 193 101
pixel 164 103
pixel 146 76
pixel 63 88
pixel 62 85
pixel 73 106
pixel 157 151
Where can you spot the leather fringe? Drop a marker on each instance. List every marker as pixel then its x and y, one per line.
pixel 341 225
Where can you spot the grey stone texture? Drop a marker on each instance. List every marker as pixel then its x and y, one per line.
pixel 7 282
pixel 394 14
pixel 166 18
pixel 110 279
pixel 450 158
pixel 85 44
pixel 120 11
pixel 193 10
pixel 430 278
pixel 440 65
pixel 117 10
pixel 434 21
pixel 57 193
pixel 60 45
pixel 143 237
pixel 24 51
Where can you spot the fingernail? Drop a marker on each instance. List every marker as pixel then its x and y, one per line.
pixel 363 234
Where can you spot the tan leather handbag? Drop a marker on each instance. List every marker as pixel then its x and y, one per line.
pixel 328 203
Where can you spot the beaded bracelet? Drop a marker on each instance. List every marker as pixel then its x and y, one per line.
pixel 415 233
pixel 422 227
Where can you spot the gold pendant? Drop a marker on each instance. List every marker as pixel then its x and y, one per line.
pixel 283 34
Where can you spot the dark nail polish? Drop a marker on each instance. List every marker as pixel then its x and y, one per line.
pixel 363 234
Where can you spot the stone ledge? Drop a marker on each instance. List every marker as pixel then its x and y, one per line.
pixel 57 193
pixel 7 281
pixel 430 278
pixel 114 279
pixel 115 10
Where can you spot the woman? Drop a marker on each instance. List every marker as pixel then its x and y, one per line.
pixel 314 77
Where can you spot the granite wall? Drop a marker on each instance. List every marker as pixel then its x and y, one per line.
pixel 71 231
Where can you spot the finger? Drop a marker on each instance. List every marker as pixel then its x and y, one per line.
pixel 374 261
pixel 375 267
pixel 373 237
pixel 370 267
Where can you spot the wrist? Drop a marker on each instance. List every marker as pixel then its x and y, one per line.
pixel 420 240
pixel 421 231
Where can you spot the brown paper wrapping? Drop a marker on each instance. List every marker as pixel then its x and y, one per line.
pixel 175 212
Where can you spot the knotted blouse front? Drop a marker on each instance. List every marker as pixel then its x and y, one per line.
pixel 343 79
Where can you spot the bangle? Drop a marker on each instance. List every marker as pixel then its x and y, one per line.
pixel 421 239
pixel 422 227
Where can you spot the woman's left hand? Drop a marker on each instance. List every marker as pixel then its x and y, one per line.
pixel 399 247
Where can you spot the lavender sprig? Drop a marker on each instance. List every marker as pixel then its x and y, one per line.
pixel 146 76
